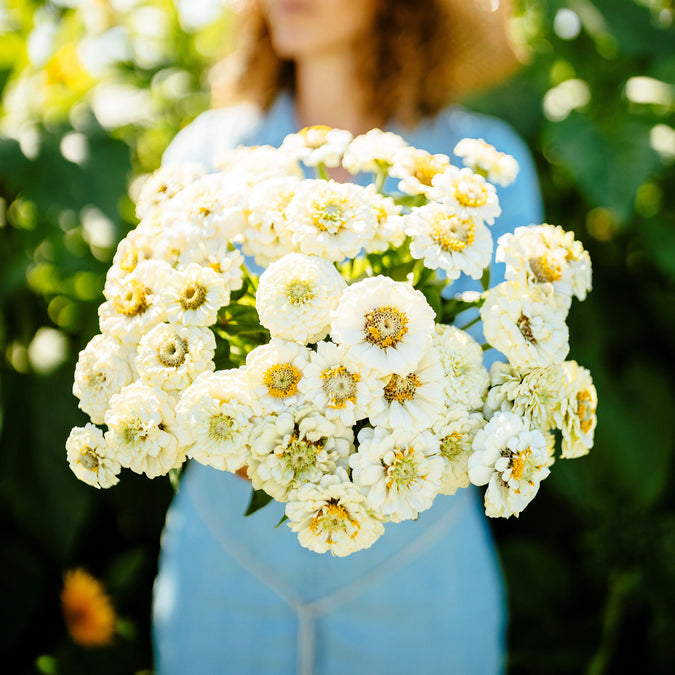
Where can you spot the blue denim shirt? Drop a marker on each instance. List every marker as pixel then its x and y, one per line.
pixel 239 595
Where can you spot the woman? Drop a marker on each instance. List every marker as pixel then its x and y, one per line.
pixel 239 595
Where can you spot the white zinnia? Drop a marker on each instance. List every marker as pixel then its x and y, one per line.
pixel 219 256
pixel 137 246
pixel 213 420
pixel 298 445
pixel 103 368
pixel 194 295
pixel 467 194
pixel 317 145
pixel 296 297
pixel 252 164
pixel 447 241
pixel 165 183
pixel 372 152
pixel 536 394
pixel 417 169
pixel 390 225
pixel 332 516
pixel 549 257
pixel 483 158
pixel 212 206
pixel 512 460
pixel 171 356
pixel 527 326
pixel 266 235
pixel 139 420
pixel 273 372
pixel 132 307
pixel 339 388
pixel 455 430
pixel 384 324
pixel 331 220
pixel 466 378
pixel 90 457
pixel 398 471
pixel 579 422
pixel 410 401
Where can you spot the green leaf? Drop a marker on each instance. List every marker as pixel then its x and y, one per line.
pixel 259 499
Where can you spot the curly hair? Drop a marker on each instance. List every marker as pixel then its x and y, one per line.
pixel 407 71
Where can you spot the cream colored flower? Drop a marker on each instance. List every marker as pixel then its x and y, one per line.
pixel 579 421
pixel 336 386
pixel 136 247
pixel 527 326
pixel 171 356
pixel 213 420
pixel 266 235
pixel 166 183
pixel 455 429
pixel 390 226
pixel 398 471
pixel 466 378
pixel 298 445
pixel 297 296
pixel 90 458
pixel 372 152
pixel 250 165
pixel 317 145
pixel 331 220
pixel 104 366
pixel 485 159
pixel 332 516
pixel 467 194
pixel 274 371
pixel 447 241
pixel 410 401
pixel 535 394
pixel 547 257
pixel 512 460
pixel 132 307
pixel 417 169
pixel 194 295
pixel 219 256
pixel 385 325
pixel 139 421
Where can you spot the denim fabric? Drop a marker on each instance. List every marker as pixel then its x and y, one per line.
pixel 237 595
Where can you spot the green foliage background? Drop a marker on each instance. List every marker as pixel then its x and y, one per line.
pixel 590 568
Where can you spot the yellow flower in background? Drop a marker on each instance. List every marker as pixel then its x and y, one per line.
pixel 66 68
pixel 87 609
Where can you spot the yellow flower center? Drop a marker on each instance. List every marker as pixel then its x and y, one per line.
pixel 545 269
pixel 282 380
pixel 385 326
pixel 300 454
pixel 585 410
pixel 221 427
pixel 299 292
pixel 133 300
pixel 331 518
pixel 129 261
pixel 451 446
pixel 173 351
pixel 329 216
pixel 427 166
pixel 193 296
pixel 470 191
pixel 401 389
pixel 89 459
pixel 403 470
pixel 525 329
pixel 315 136
pixel 453 233
pixel 339 385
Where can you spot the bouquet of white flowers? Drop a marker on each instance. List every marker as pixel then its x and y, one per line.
pixel 336 379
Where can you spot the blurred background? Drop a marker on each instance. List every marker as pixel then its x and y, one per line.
pixel 92 91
